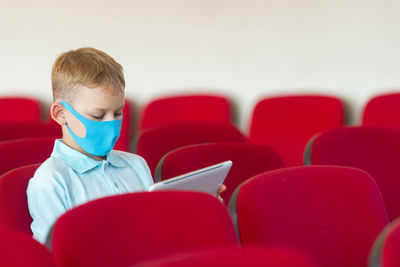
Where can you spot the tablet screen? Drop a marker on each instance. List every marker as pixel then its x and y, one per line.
pixel 207 179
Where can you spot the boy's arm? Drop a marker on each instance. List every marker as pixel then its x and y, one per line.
pixel 46 202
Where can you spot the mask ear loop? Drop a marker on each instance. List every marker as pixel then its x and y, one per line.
pixel 76 115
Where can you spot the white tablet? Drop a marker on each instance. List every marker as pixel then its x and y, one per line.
pixel 207 179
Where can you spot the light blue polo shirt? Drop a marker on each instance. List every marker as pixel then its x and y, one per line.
pixel 69 178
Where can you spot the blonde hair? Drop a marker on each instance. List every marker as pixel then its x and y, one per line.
pixel 87 67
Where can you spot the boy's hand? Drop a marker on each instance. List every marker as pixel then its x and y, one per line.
pixel 221 189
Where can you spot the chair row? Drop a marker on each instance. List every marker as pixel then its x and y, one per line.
pixel 334 214
pixel 14 244
pixel 381 109
pixel 371 148
pixel 284 123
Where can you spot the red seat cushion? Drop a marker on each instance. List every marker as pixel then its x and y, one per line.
pixel 157 141
pixel 383 110
pixel 124 229
pixel 186 108
pixel 19 109
pixel 248 160
pixel 333 212
pixel 373 149
pixel 287 123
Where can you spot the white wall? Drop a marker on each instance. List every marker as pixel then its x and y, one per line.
pixel 244 49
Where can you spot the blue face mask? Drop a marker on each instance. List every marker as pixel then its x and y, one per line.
pixel 100 137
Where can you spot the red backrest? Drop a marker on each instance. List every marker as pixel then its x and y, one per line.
pixel 385 252
pixel 21 152
pixel 191 108
pixel 382 110
pixel 333 212
pixel 19 109
pixel 373 149
pixel 17 130
pixel 124 229
pixel 247 161
pixel 227 256
pixel 124 140
pixel 20 249
pixel 155 142
pixel 287 123
pixel 14 212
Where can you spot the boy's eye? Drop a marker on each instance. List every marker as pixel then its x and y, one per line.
pixel 97 117
pixel 119 114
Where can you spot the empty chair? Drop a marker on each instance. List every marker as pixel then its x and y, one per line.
pixel 382 110
pixel 183 108
pixel 17 130
pixel 373 149
pixel 124 140
pixel 14 212
pixel 19 109
pixel 124 229
pixel 385 252
pixel 155 142
pixel 20 249
pixel 287 123
pixel 333 212
pixel 20 152
pixel 227 256
pixel 247 161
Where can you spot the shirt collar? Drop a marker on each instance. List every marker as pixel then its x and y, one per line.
pixel 79 161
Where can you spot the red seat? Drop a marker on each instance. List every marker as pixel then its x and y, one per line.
pixel 385 252
pixel 122 230
pixel 248 160
pixel 383 110
pixel 124 140
pixel 155 142
pixel 20 249
pixel 287 123
pixel 186 108
pixel 333 212
pixel 17 130
pixel 14 212
pixel 19 109
pixel 226 256
pixel 20 152
pixel 373 149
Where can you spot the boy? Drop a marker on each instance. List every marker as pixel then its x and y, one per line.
pixel 88 98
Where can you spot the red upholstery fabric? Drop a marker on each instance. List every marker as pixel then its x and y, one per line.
pixel 391 247
pixel 287 123
pixel 21 152
pixel 225 256
pixel 192 108
pixel 17 130
pixel 19 109
pixel 248 160
pixel 383 110
pixel 385 252
pixel 155 142
pixel 121 230
pixel 373 149
pixel 333 212
pixel 19 249
pixel 124 140
pixel 14 212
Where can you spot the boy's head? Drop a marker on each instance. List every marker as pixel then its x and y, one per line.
pixel 88 89
pixel 87 67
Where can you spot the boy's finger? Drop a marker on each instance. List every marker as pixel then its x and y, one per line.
pixel 222 188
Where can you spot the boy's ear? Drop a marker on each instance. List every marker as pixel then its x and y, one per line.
pixel 57 112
